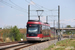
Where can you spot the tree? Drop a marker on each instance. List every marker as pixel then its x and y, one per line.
pixel 68 31
pixel 68 26
pixel 0 28
pixel 6 31
pixel 11 32
pixel 15 34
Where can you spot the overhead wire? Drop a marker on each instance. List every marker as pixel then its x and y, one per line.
pixel 32 4
pixel 38 6
pixel 12 6
pixel 17 5
pixel 47 10
pixel 44 8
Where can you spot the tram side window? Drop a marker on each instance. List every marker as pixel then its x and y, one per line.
pixel 47 30
pixel 43 29
pixel 48 27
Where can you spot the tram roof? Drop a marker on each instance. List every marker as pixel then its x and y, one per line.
pixel 37 22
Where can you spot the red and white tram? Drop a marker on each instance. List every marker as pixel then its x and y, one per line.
pixel 37 31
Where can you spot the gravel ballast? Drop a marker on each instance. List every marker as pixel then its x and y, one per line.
pixel 41 46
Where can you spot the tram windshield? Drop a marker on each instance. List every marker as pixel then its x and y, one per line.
pixel 32 29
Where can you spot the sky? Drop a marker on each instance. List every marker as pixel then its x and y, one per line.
pixel 15 12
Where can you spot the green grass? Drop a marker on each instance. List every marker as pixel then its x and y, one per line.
pixel 63 45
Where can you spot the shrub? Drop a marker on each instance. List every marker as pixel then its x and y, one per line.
pixel 15 34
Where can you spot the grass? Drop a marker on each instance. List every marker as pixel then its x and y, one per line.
pixel 68 44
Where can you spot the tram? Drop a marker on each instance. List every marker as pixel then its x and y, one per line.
pixel 37 31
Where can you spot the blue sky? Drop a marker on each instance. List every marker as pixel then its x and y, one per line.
pixel 14 12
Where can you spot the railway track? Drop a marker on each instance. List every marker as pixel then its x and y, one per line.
pixel 16 47
pixel 19 45
pixel 34 44
pixel 9 43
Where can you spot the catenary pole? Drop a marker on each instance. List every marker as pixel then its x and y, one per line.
pixel 59 35
pixel 47 19
pixel 58 17
pixel 28 12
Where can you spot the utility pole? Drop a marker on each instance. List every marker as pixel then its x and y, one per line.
pixel 58 17
pixel 59 35
pixel 46 19
pixel 40 14
pixel 28 12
